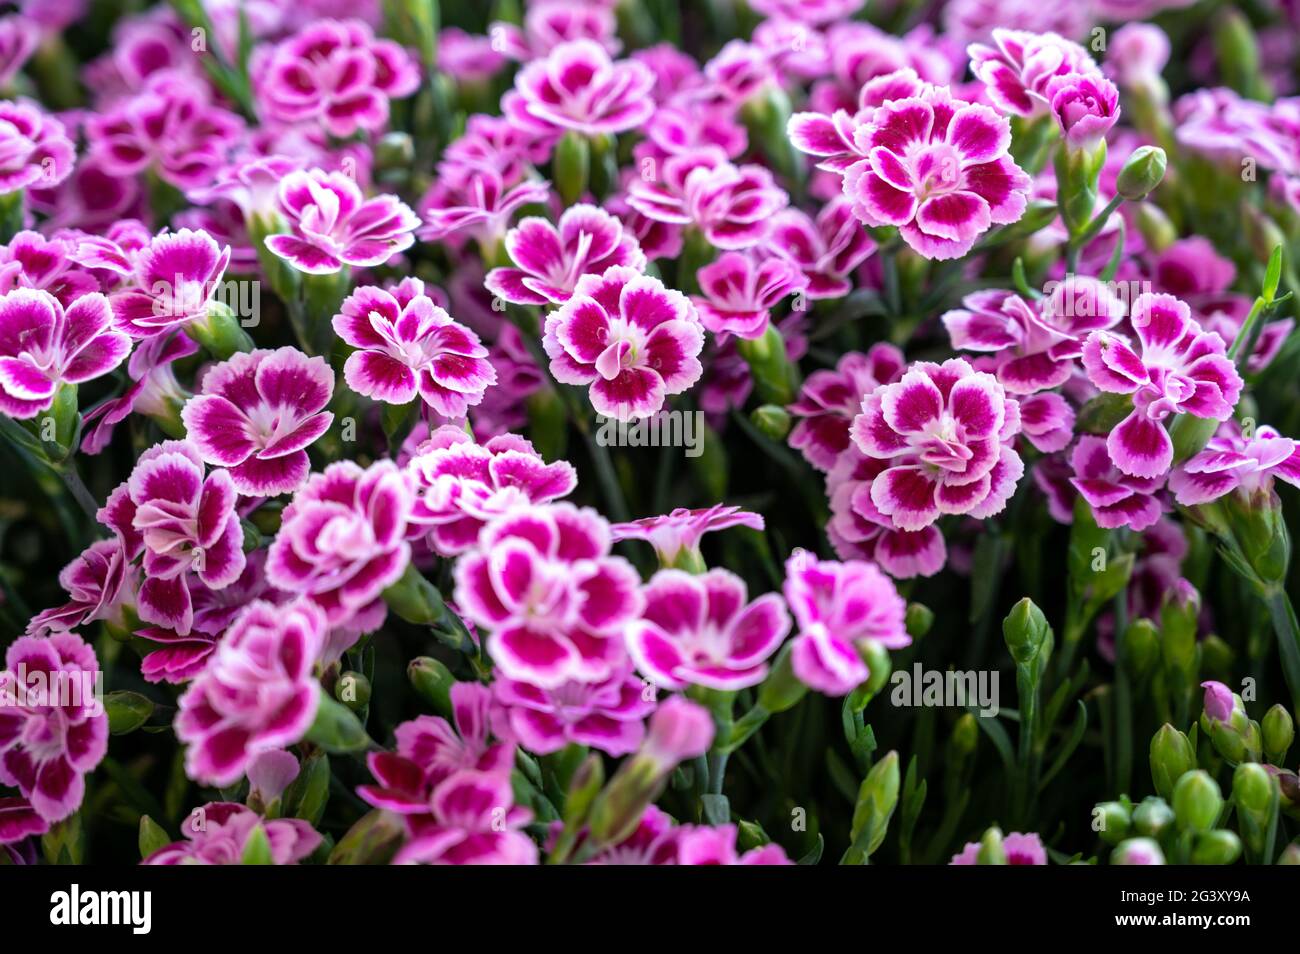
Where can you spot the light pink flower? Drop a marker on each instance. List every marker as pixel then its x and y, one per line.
pixel 830 399
pixel 473 201
pixel 807 11
pixel 827 249
pixel 1085 106
pixel 460 485
pixel 1017 69
pixel 256 693
pixel 938 169
pixel 1047 421
pixel 335 73
pixel 702 630
pixel 945 431
pixel 31 260
pixel 627 336
pixel 680 730
pixel 543 583
pixel 43 347
pixel 740 289
pixel 552 23
pixel 1231 462
pixel 1117 499
pixel 257 413
pixel 1020 850
pixel 217 834
pixel 475 821
pixel 608 714
pixel 34 148
pixel 578 87
pixel 407 345
pixel 174 281
pixel 342 542
pixel 332 224
pixel 1035 342
pixel 1181 370
pixel 53 728
pixel 19 38
pixel 679 532
pixel 551 259
pixel 702 845
pixel 837 607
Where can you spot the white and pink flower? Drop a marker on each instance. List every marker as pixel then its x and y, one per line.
pixel 1232 462
pixel 740 289
pixel 830 399
pixel 608 714
pixel 578 87
pixel 173 283
pixel 1117 499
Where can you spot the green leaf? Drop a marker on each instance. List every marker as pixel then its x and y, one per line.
pixel 127 711
pixel 257 850
pixel 152 836
pixel 337 729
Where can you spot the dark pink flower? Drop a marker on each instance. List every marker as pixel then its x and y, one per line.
pixel 1232 462
pixel 53 728
pixel 174 281
pixel 830 399
pixel 627 336
pixel 335 73
pixel 740 72
pixel 18 822
pixel 827 250
pixel 460 485
pixel 1017 69
pixel 257 413
pixel 19 38
pixel 99 582
pixel 1117 499
pixel 680 730
pixel 678 533
pixel 607 714
pixel 837 607
pixel 543 583
pixel 256 693
pixel 474 821
pixel 34 148
pixel 1047 421
pixel 43 347
pixel 938 169
pixel 153 391
pixel 1020 850
pixel 703 631
pixel 407 345
pixel 1085 106
pixel 342 542
pixel 740 289
pixel 551 259
pixel 333 225
pixel 945 431
pixel 31 260
pixel 476 202
pixel 1218 701
pixel 702 845
pixel 578 87
pixel 551 23
pixel 217 834
pixel 807 11
pixel 1181 370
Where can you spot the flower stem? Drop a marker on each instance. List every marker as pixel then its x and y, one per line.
pixel 1288 638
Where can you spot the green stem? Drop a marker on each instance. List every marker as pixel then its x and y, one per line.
pixel 1288 638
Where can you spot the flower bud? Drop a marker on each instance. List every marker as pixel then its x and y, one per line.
pixel 572 166
pixel 1028 635
pixel 373 840
pixel 1152 817
pixel 1279 732
pixel 918 620
pixel 991 850
pixel 1216 655
pixel 432 681
pixel 774 375
pixel 1218 701
pixel 879 666
pixel 1141 648
pixel 1197 801
pixel 1141 173
pixel 1137 851
pixel 1238 53
pixel 1171 757
pixel 1252 788
pixel 1116 821
pixel 1155 228
pixel 1220 847
pixel 679 730
pixel 583 789
pixel 773 420
pixel 1259 533
pixel 394 157
pixel 965 734
pixel 219 332
pixel 353 690
pixel 335 728
pixel 877 799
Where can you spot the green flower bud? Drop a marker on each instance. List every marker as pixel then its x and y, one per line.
pixel 1141 648
pixel 1252 788
pixel 782 688
pixel 991 850
pixel 1278 732
pixel 353 690
pixel 1157 231
pixel 878 663
pixel 583 789
pixel 772 420
pixel 1152 817
pixel 877 799
pixel 1259 534
pixel 918 620
pixel 1137 851
pixel 1116 821
pixel 775 378
pixel 965 734
pixel 619 808
pixel 1216 656
pixel 336 729
pixel 1197 801
pixel 394 157
pixel 572 167
pixel 1028 635
pixel 373 840
pixel 1220 847
pixel 219 332
pixel 1172 756
pixel 1238 53
pixel 432 681
pixel 1141 173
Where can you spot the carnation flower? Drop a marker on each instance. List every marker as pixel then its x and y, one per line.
pixel 702 845
pixel 702 630
pixel 34 148
pixel 837 608
pixel 944 429
pixel 53 728
pixel 474 820
pixel 99 583
pixel 1180 370
pixel 1047 421
pixel 677 535
pixel 333 225
pixel 827 249
pixel 257 693
pixel 627 336
pixel 257 413
pixel 174 283
pixel 578 87
pixel 1085 106
pixel 31 260
pixel 1117 499
pixel 43 347
pixel 830 399
pixel 1018 68
pixel 1020 850
pixel 153 391
pixel 607 714
pixel 1232 462
pixel 477 202
pixel 218 833
pixel 407 345
pixel 552 23
pixel 543 583
pixel 807 11
pixel 739 289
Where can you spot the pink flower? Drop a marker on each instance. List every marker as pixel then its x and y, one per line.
pixel 680 730
pixel 578 87
pixel 837 607
pixel 335 73
pixel 827 250
pixel 43 347
pixel 19 39
pixel 731 205
pixel 31 260
pixel 740 72
pixel 939 170
pixel 858 530
pixel 542 581
pixel 1047 421
pixel 34 148
pixel 551 23
pixel 1137 54
pixel 408 346
pixel 1181 370
pixel 18 822
pixel 256 415
pixel 652 842
pixel 471 201
pixel 1020 850
pixel 342 542
pixel 185 521
pixel 256 693
pixel 53 728
pixel 1117 499
pixel 153 391
pixel 608 714
pixel 334 225
pixel 174 281
pixel 550 260
pixel 1218 701
pixel 1231 462
pixel 702 630
pixel 814 12
pixel 474 822
pixel 739 289
pixel 702 845
pixel 1085 106
pixel 1035 343
pixel 217 834
pixel 633 340
pixel 944 429
pixel 1016 71
pixel 679 532
pixel 829 400
pixel 98 583
pixel 460 485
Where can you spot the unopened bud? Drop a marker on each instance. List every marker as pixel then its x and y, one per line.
pixel 1141 173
